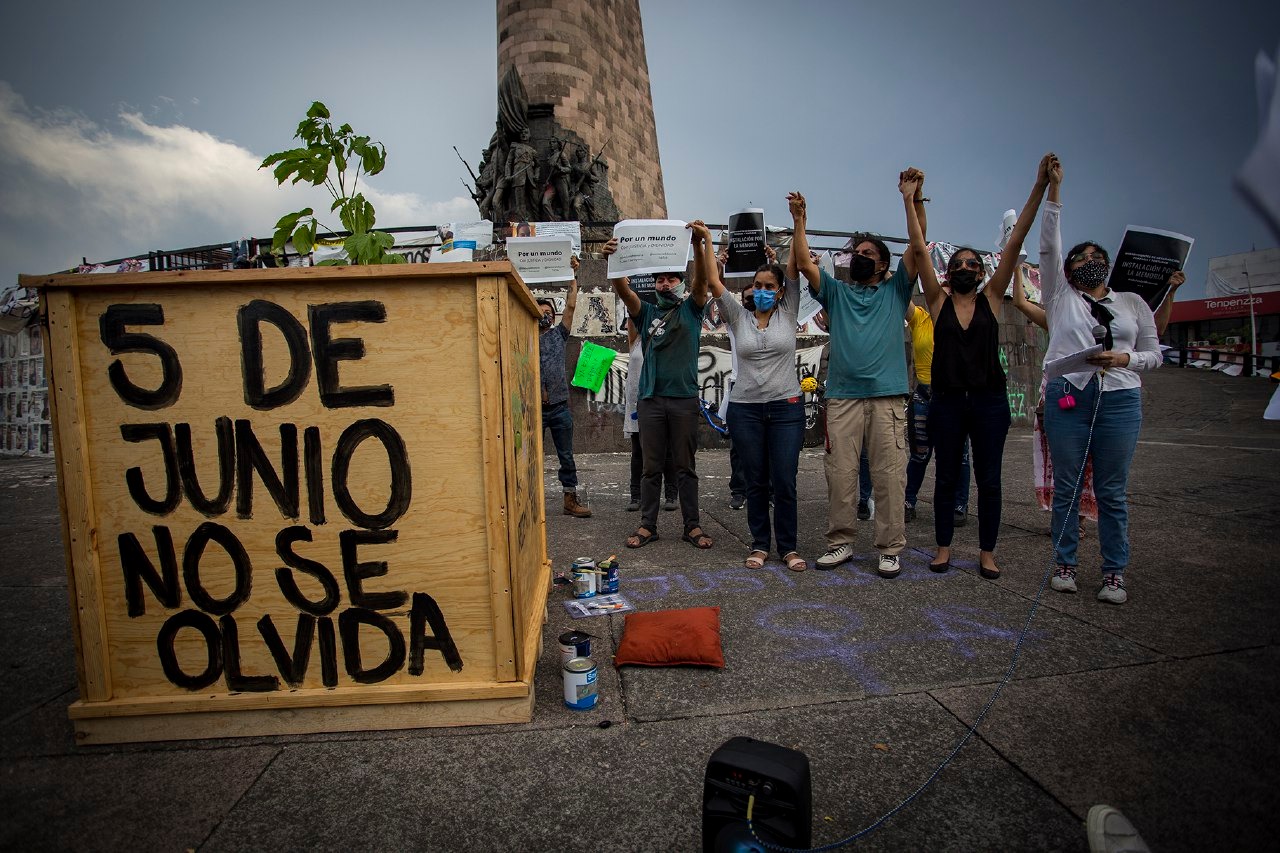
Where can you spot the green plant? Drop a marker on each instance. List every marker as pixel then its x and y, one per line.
pixel 348 155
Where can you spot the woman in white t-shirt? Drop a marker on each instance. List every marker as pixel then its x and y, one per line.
pixel 766 408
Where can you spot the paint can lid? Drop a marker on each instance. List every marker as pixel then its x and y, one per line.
pixel 579 665
pixel 572 638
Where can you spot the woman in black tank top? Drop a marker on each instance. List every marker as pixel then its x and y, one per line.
pixel 969 399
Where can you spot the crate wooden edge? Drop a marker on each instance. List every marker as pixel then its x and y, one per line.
pixel 296 721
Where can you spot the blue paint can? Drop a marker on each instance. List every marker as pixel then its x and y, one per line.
pixel 580 684
pixel 574 644
pixel 608 580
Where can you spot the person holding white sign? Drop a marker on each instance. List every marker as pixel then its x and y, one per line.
pixel 668 409
pixel 766 409
pixel 556 415
pixel 969 398
pixel 866 389
pixel 1097 411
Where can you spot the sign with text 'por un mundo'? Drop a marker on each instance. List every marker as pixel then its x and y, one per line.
pixel 264 460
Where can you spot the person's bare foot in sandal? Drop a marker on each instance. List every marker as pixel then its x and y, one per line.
pixel 643 536
pixel 695 537
pixel 755 560
pixel 795 562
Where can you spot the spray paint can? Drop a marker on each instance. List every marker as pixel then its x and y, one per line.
pixel 584 577
pixel 608 581
pixel 580 684
pixel 574 644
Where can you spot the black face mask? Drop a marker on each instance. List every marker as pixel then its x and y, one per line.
pixel 963 281
pixel 861 268
pixel 544 322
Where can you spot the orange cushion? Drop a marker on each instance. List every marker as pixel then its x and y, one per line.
pixel 671 638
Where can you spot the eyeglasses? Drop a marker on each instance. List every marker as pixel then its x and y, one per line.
pixel 967 263
pixel 1087 256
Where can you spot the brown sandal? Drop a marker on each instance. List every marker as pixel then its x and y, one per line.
pixel 754 562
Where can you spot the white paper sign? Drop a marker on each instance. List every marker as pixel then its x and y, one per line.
pixel 541 259
pixel 468 235
pixel 570 230
pixel 439 256
pixel 649 246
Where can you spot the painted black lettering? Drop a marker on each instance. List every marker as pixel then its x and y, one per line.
pixel 137 567
pixel 313 469
pixel 250 319
pixel 426 612
pixel 349 622
pixel 237 681
pixel 293 667
pixel 356 571
pixel 250 457
pixel 169 656
pixel 289 585
pixel 328 653
pixel 207 532
pixel 133 477
pixel 111 328
pixel 401 477
pixel 217 505
pixel 329 351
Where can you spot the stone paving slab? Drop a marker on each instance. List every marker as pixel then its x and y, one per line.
pixel 1187 750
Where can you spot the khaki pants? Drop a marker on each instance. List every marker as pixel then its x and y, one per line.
pixel 880 423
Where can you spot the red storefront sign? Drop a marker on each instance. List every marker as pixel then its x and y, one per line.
pixel 1225 307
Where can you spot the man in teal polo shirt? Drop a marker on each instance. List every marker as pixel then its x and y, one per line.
pixel 866 390
pixel 667 409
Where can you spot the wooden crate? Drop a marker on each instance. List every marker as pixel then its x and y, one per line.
pixel 299 500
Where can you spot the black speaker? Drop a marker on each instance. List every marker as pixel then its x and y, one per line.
pixel 779 779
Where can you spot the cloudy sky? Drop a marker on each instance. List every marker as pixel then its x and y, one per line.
pixel 139 124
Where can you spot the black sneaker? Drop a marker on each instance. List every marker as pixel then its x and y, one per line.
pixel 864 511
pixel 908 512
pixel 634 506
pixel 737 501
pixel 961 518
pixel 670 505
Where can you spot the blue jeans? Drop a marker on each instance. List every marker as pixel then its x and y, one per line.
pixel 982 419
pixel 768 437
pixel 864 478
pixel 1115 437
pixel 559 420
pixel 922 451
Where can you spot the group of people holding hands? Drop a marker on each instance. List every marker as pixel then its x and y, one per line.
pixel 963 405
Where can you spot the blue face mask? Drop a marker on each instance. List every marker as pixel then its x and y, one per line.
pixel 765 299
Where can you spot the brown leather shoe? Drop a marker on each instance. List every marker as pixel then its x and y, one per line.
pixel 572 507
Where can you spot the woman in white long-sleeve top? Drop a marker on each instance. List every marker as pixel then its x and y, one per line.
pixel 1077 301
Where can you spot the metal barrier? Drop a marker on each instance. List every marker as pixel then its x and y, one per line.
pixel 1249 362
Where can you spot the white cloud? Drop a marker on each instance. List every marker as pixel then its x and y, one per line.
pixel 74 188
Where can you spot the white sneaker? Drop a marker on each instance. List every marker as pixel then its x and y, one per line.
pixel 888 567
pixel 1112 591
pixel 834 557
pixel 1064 579
pixel 1111 832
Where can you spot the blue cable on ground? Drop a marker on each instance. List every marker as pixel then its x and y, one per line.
pixel 1013 664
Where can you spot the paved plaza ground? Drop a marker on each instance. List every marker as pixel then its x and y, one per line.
pixel 1166 707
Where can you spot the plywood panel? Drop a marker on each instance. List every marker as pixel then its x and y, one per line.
pixel 420 359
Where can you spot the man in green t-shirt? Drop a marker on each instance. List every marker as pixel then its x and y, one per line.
pixel 667 410
pixel 866 390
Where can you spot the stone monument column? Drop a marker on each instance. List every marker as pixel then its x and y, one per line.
pixel 583 66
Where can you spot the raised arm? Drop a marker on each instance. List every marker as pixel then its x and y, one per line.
pixel 705 264
pixel 999 282
pixel 909 186
pixel 699 286
pixel 800 243
pixel 571 301
pixel 1029 309
pixel 1165 311
pixel 622 286
pixel 909 259
pixel 1052 279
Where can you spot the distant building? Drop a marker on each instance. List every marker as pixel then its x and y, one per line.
pixel 1221 321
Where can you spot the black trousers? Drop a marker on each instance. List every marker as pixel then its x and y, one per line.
pixel 668 425
pixel 637 471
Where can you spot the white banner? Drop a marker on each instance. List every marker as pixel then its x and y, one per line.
pixel 468 235
pixel 541 259
pixel 571 231
pixel 649 246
